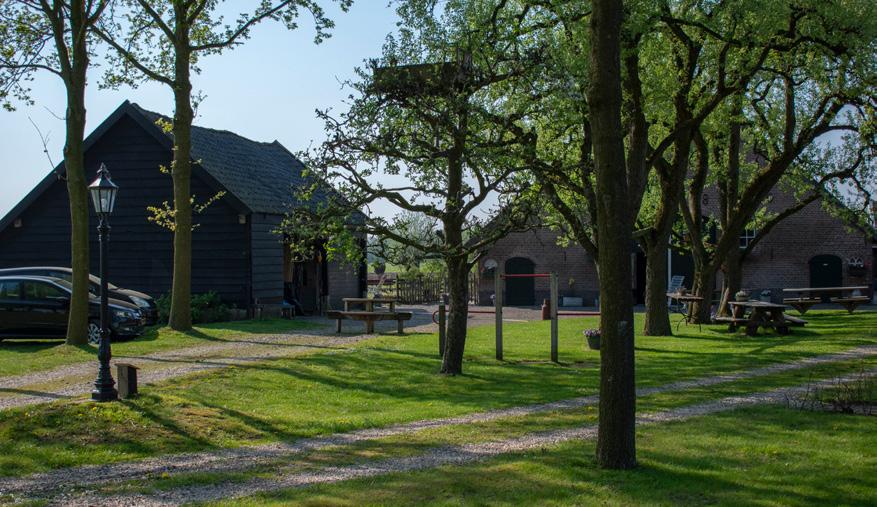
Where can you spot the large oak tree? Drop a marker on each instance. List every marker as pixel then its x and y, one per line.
pixel 55 37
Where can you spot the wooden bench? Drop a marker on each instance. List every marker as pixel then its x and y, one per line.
pixel 794 321
pixel 732 322
pixel 852 302
pixel 369 318
pixel 802 304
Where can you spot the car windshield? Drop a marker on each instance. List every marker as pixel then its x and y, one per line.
pixel 64 283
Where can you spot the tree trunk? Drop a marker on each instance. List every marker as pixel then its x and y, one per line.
pixel 74 78
pixel 657 319
pixel 616 437
pixel 74 162
pixel 704 283
pixel 455 341
pixel 181 291
pixel 732 269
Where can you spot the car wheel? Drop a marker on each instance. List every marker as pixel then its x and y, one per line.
pixel 94 333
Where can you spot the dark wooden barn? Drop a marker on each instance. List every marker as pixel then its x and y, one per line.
pixel 236 251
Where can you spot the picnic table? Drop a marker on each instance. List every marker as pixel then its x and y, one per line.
pixel 369 303
pixel 809 296
pixel 369 315
pixel 761 314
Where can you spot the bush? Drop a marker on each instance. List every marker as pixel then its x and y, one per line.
pixel 206 308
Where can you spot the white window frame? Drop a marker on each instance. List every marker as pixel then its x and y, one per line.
pixel 747 237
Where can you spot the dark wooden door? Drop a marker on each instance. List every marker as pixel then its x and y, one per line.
pixel 519 291
pixel 826 271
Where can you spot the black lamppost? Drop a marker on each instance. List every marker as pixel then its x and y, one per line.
pixel 103 193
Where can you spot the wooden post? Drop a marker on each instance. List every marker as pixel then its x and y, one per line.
pixel 442 329
pixel 553 279
pixel 498 306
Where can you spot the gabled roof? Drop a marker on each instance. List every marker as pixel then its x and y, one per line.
pixel 258 177
pixel 263 176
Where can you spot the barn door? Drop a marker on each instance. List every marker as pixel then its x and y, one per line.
pixel 826 271
pixel 519 291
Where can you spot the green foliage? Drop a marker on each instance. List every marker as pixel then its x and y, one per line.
pixel 164 215
pixel 206 308
pixel 430 131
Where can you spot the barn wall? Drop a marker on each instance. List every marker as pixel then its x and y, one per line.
pixel 344 282
pixel 267 259
pixel 141 252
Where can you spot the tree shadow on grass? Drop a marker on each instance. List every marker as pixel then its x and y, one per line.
pixel 33 393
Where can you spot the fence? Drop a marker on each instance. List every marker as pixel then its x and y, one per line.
pixel 420 290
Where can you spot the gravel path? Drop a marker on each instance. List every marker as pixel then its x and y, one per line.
pixel 75 379
pixel 449 455
pixel 244 458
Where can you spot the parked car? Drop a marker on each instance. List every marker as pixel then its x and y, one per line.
pixel 38 306
pixel 145 303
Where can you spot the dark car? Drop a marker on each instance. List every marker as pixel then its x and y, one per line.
pixel 144 302
pixel 38 306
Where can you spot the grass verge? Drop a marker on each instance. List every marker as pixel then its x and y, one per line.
pixel 378 382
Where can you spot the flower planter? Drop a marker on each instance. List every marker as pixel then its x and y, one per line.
pixel 593 340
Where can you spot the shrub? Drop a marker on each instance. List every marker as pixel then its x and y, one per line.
pixel 206 308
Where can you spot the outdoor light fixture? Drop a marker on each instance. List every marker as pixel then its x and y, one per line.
pixel 103 193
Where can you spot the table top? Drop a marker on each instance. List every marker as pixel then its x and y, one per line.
pixel 684 297
pixel 825 289
pixel 756 304
pixel 366 300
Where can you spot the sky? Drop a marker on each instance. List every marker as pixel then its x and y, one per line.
pixel 265 90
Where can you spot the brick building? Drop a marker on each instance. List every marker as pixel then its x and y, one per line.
pixel 810 248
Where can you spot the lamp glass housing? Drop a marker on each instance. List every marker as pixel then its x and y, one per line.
pixel 103 192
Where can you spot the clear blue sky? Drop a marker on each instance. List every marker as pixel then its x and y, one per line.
pixel 266 89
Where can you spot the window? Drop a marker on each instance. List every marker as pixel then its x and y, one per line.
pixel 62 275
pixel 42 290
pixel 747 237
pixel 10 290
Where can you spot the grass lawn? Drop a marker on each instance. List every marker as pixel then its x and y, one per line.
pixel 20 356
pixel 753 456
pixel 392 379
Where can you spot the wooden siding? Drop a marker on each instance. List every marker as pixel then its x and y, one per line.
pixel 344 282
pixel 267 258
pixel 141 252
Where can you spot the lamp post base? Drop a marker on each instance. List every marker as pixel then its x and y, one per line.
pixel 105 394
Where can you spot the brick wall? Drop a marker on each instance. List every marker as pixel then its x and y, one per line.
pixel 540 246
pixel 782 258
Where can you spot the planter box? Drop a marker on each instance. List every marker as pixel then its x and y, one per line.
pixel 571 301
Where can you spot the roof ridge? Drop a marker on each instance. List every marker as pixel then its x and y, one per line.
pixel 211 129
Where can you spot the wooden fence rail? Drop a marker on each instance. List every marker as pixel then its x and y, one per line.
pixel 421 290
